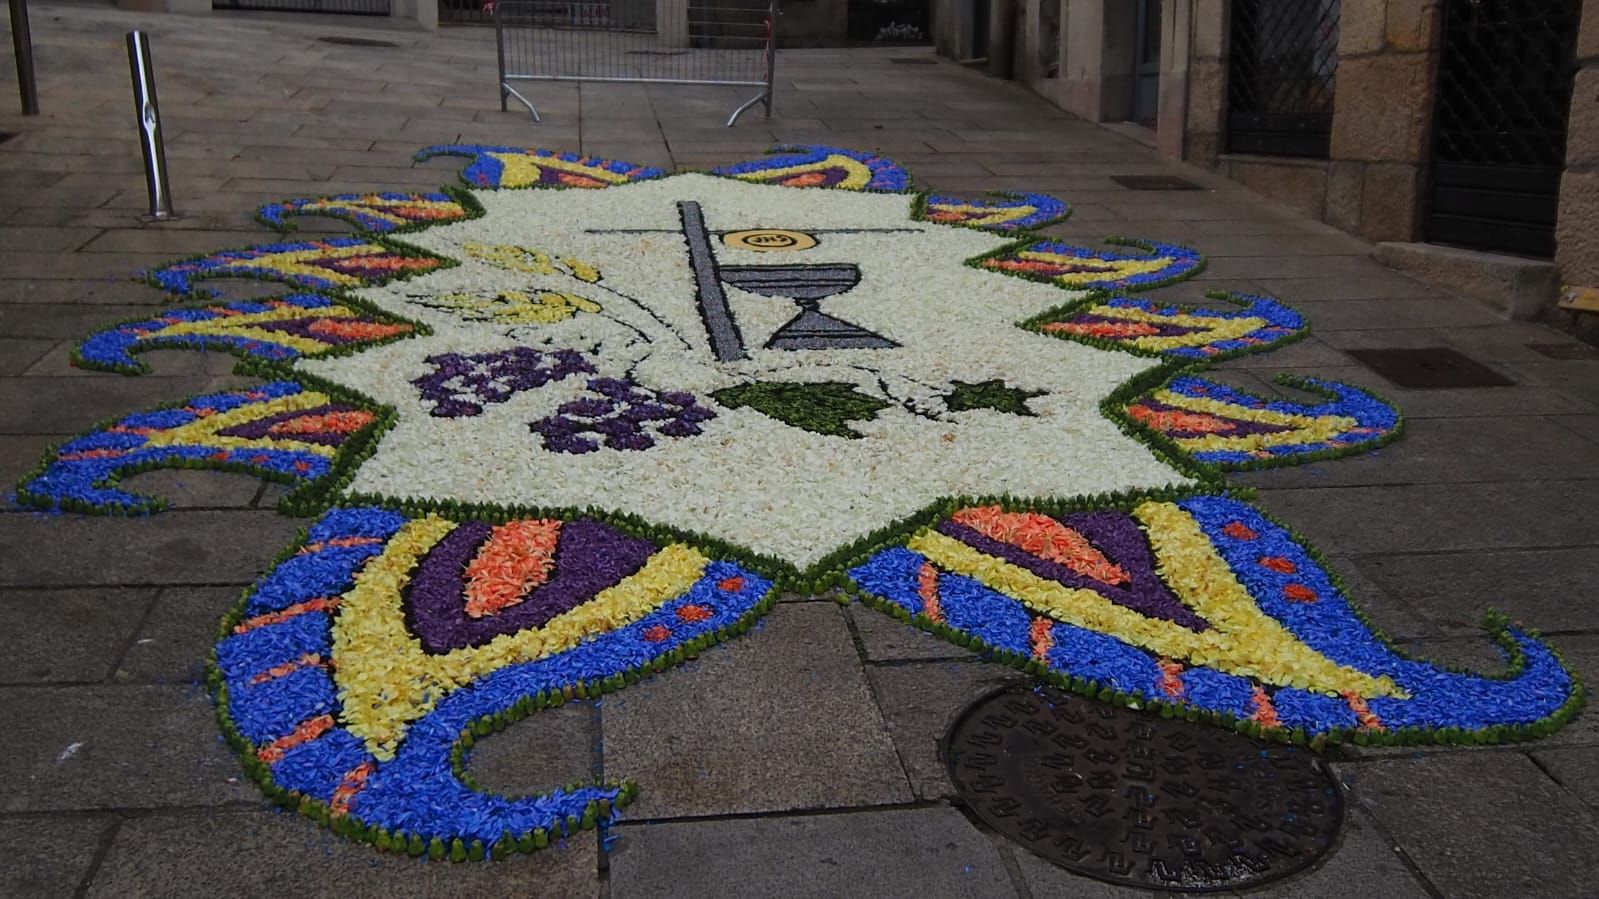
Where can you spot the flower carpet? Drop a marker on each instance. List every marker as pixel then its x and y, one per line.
pixel 579 420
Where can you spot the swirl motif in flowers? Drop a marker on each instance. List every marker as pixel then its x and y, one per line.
pixel 560 438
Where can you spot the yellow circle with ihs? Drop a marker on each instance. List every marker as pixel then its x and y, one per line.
pixel 769 239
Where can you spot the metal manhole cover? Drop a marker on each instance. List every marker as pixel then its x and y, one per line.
pixel 1154 182
pixel 357 42
pixel 1130 798
pixel 1430 368
pixel 1551 350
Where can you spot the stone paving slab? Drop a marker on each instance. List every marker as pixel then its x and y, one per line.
pixel 20 454
pixel 48 857
pixel 1586 425
pixel 1502 341
pixel 162 363
pixel 921 700
pixel 1541 838
pixel 173 642
pixel 1450 402
pixel 1366 282
pixel 1444 450
pixel 62 321
pixel 18 353
pixel 256 852
pixel 1390 611
pixel 736 731
pixel 1310 353
pixel 887 639
pixel 821 708
pixel 898 854
pixel 189 489
pixel 1572 767
pixel 1433 517
pixel 76 634
pixel 1579 652
pixel 61 405
pixel 116 747
pixel 1365 863
pixel 548 749
pixel 212 547
pixel 1579 378
pixel 1350 315
pixel 1551 589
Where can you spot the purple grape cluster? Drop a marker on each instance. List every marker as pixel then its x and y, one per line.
pixel 462 385
pixel 623 415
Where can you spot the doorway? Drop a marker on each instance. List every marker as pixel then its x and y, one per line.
pixel 1499 139
pixel 1146 62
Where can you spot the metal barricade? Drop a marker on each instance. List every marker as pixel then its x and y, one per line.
pixel 707 42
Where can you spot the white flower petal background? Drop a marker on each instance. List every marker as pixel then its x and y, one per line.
pixel 748 478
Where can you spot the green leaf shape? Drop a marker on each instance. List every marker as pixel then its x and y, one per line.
pixel 825 407
pixel 989 395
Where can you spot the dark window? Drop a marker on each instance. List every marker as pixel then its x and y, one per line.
pixel 1284 58
pixel 1499 137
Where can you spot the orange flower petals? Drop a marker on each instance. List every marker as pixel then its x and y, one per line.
pixel 321 604
pixel 927 588
pixel 1042 638
pixel 1167 420
pixel 309 660
pixel 306 732
pixel 516 558
pixel 338 422
pixel 1300 593
pixel 1265 710
pixel 1363 713
pixel 1171 678
pixel 1239 531
pixel 693 613
pixel 1279 564
pixel 1043 537
pixel 354 782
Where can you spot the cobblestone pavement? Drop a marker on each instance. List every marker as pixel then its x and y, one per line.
pixel 812 768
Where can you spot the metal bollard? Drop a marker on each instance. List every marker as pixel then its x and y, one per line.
pixel 149 114
pixel 22 42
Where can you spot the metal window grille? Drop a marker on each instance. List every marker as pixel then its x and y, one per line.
pixel 1499 136
pixel 703 42
pixel 341 7
pixel 1284 60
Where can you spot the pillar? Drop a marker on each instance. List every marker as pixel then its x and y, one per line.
pixel 1382 117
pixel 1577 232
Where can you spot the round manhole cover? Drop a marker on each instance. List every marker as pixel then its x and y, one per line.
pixel 1131 798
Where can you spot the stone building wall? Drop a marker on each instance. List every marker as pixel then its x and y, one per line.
pixel 1373 181
pixel 1578 229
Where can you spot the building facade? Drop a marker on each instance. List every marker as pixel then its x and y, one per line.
pixel 1447 123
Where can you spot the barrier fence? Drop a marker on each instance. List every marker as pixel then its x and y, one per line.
pixel 705 42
